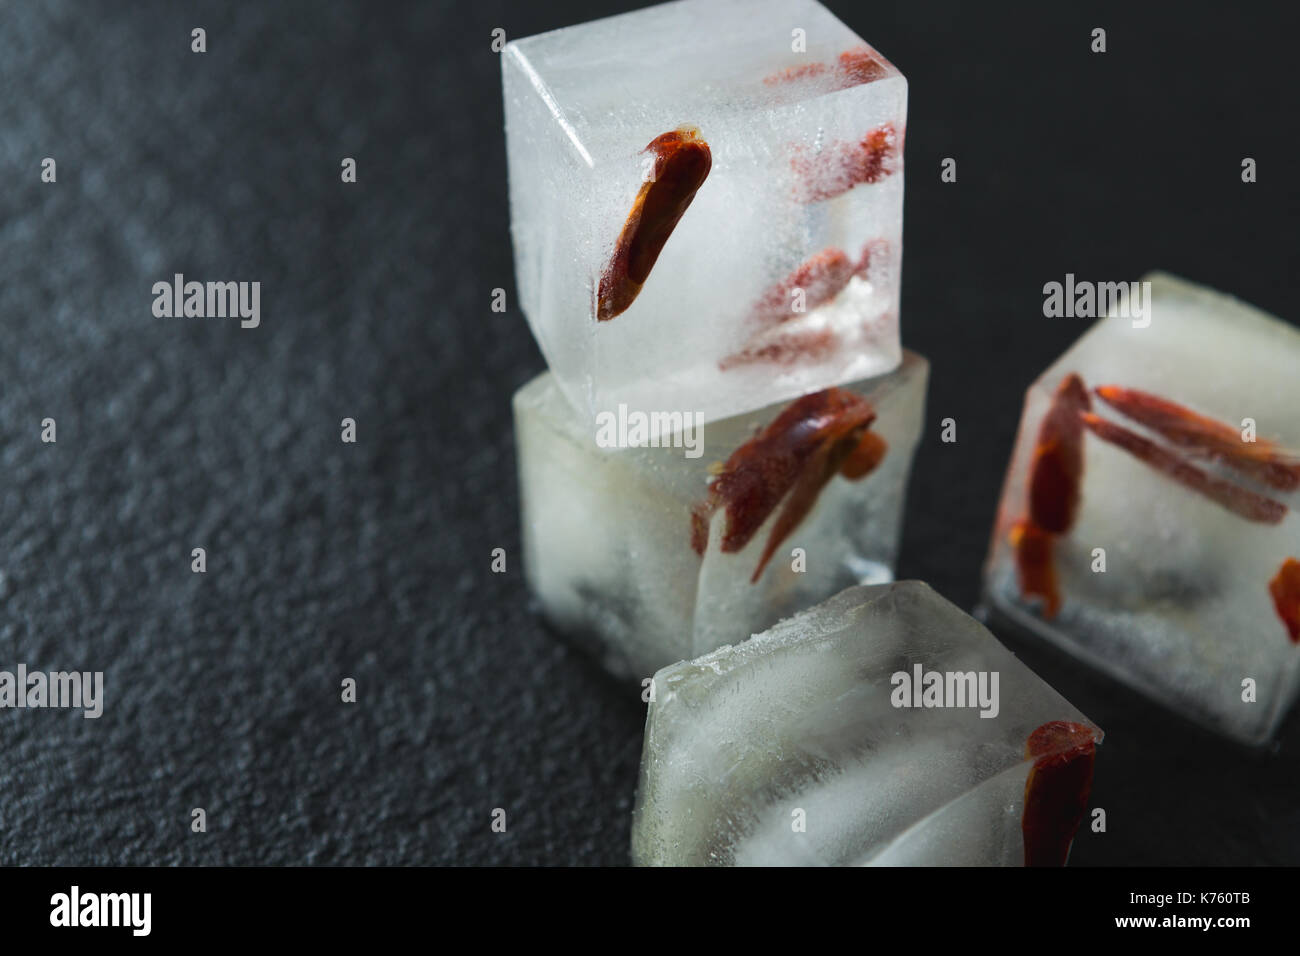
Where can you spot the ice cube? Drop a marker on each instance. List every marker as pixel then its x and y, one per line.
pixel 781 275
pixel 804 745
pixel 640 551
pixel 1197 606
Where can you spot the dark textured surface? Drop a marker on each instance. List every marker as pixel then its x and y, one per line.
pixel 371 560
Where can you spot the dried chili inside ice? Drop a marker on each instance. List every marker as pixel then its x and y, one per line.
pixel 1199 435
pixel 789 461
pixel 1285 589
pixel 682 161
pixel 1057 789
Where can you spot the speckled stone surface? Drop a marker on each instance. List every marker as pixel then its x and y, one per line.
pixel 372 560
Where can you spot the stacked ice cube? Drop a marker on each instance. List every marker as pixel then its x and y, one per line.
pixel 706 206
pixel 1148 518
pixel 781 275
pixel 882 727
pixel 608 532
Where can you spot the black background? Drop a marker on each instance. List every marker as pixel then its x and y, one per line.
pixel 371 560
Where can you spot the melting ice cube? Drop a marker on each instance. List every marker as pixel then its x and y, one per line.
pixel 883 726
pixel 1148 521
pixel 706 204
pixel 654 556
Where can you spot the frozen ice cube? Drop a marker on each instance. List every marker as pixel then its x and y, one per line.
pixel 1141 470
pixel 805 745
pixel 650 555
pixel 781 274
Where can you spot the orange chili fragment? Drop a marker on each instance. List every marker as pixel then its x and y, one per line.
pixel 1240 501
pixel 873 253
pixel 864 459
pixel 1035 565
pixel 802 72
pixel 1057 790
pixel 821 278
pixel 840 166
pixel 792 459
pixel 1285 588
pixel 1057 469
pixel 682 163
pixel 1055 477
pixel 786 348
pixel 859 65
pixel 853 68
pixel 1200 435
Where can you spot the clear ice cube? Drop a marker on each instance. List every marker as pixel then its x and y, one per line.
pixel 791 748
pixel 610 539
pixel 1183 611
pixel 782 275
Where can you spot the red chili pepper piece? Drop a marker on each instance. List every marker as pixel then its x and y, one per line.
pixel 1035 565
pixel 853 68
pixel 860 65
pixel 840 166
pixel 1240 501
pixel 786 348
pixel 1057 790
pixel 1055 478
pixel 864 459
pixel 1261 460
pixel 873 253
pixel 794 73
pixel 821 278
pixel 817 471
pixel 1057 469
pixel 1285 588
pixel 792 459
pixel 682 163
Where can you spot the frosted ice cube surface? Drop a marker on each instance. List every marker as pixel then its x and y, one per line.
pixel 608 531
pixel 789 749
pixel 782 275
pixel 1183 610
